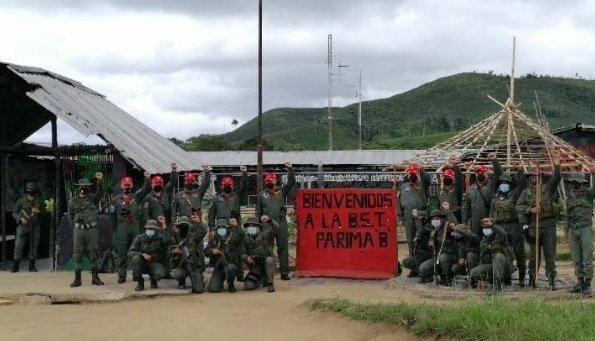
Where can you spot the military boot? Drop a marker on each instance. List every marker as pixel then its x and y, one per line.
pixel 77 279
pixel 240 277
pixel 141 285
pixel 271 287
pixel 95 277
pixel 285 277
pixel 231 287
pixel 182 284
pixel 521 280
pixel 587 287
pixel 15 266
pixel 578 287
pixel 532 282
pixel 32 267
pixel 121 278
pixel 552 283
pixel 423 280
pixel 412 274
pixel 154 284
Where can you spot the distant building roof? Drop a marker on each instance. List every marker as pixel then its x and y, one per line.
pixel 339 157
pixel 88 111
pixel 581 127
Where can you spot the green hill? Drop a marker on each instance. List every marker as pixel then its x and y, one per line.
pixel 421 117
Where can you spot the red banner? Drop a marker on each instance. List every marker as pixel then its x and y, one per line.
pixel 347 233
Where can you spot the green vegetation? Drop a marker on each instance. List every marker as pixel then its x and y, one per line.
pixel 528 319
pixel 418 118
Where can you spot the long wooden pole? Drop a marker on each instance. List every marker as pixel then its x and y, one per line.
pixel 537 204
pixel 259 148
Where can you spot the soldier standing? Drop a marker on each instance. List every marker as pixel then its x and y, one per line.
pixel 579 206
pixel 445 250
pixel 127 210
pixel 494 264
pixel 227 203
pixel 271 202
pixel 187 252
pixel 503 213
pixel 27 213
pixel 258 253
pixel 82 213
pixel 479 197
pixel 147 256
pixel 189 200
pixel 224 249
pixel 452 187
pixel 412 196
pixel 542 211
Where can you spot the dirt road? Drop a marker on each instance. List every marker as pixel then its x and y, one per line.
pixel 240 316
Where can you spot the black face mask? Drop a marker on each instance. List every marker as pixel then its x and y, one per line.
pixel 227 189
pixel 85 190
pixel 157 188
pixel 481 178
pixel 189 186
pixel 412 178
pixel 269 185
pixel 183 231
pixel 127 190
pixel 448 182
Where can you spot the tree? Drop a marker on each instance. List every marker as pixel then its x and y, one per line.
pixel 177 142
pixel 234 123
pixel 252 143
pixel 206 142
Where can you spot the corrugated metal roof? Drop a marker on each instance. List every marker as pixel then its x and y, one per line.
pixel 90 112
pixel 340 157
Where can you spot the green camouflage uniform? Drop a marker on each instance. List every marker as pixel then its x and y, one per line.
pixel 187 201
pixel 494 264
pixel 228 205
pixel 445 249
pixel 82 213
pixel 227 265
pixel 194 246
pixel 468 249
pixel 503 212
pixel 547 222
pixel 412 197
pixel 477 201
pixel 260 248
pixel 27 233
pixel 127 213
pixel 155 246
pixel 273 204
pixel 579 206
pixel 453 194
pixel 421 250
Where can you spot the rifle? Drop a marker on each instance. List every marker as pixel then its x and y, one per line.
pixel 185 262
pixel 222 259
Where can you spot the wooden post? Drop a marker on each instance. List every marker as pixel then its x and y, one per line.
pixel 57 184
pixel 3 186
pixel 259 148
pixel 537 204
pixel 512 71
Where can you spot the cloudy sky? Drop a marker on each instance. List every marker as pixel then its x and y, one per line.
pixel 187 67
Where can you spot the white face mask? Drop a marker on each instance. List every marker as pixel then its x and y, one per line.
pixel 436 223
pixel 222 231
pixel 487 232
pixel 252 230
pixel 150 233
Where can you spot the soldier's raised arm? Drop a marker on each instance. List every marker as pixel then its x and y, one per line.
pixel 243 188
pixel 289 187
pixel 497 167
pixel 426 180
pixel 206 181
pixel 99 186
pixel 172 184
pixel 466 208
pixel 552 184
pixel 145 188
pixel 521 183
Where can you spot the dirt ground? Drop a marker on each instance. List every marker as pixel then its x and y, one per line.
pixel 240 316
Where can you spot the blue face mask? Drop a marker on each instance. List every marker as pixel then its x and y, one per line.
pixel 150 233
pixel 436 223
pixel 487 232
pixel 222 231
pixel 252 230
pixel 504 188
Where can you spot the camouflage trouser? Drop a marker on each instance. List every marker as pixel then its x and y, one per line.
pixel 263 269
pixel 140 266
pixel 122 239
pixel 443 267
pixel 547 243
pixel 220 274
pixel 581 250
pixel 281 239
pixel 410 231
pixel 514 234
pixel 85 242
pixel 180 274
pixel 413 262
pixel 494 271
pixel 26 235
pixel 471 259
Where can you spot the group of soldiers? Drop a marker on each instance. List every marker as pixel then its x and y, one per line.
pixel 160 230
pixel 480 234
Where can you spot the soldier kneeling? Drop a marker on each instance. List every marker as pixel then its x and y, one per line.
pixel 494 264
pixel 187 252
pixel 223 249
pixel 258 253
pixel 147 254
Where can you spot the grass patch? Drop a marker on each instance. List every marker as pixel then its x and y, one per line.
pixel 529 319
pixel 564 256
